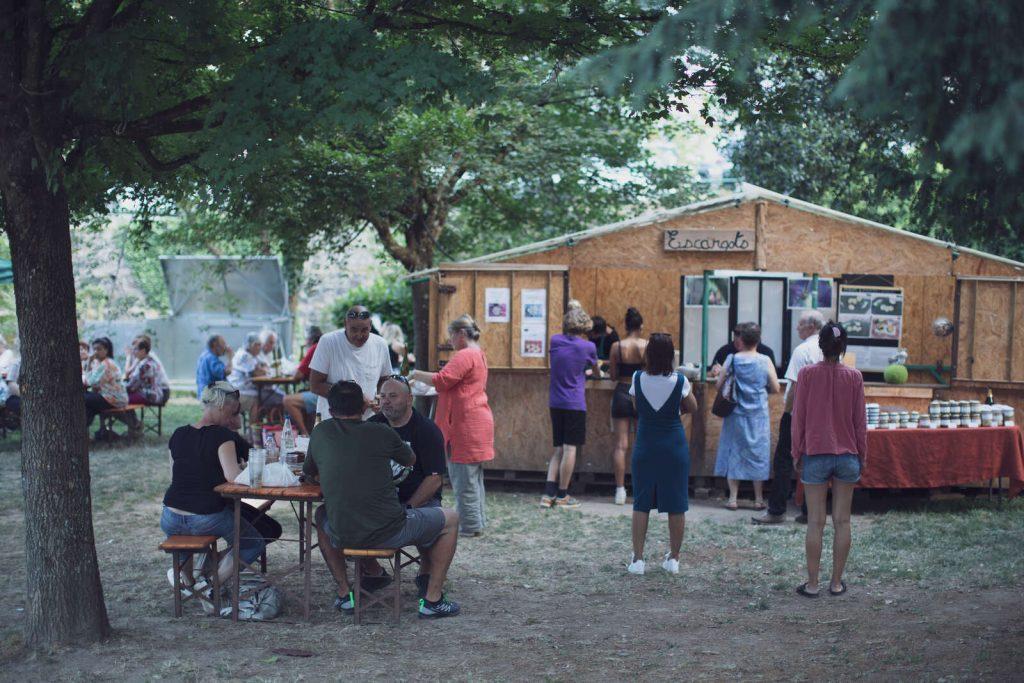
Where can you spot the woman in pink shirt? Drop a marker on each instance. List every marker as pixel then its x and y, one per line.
pixel 465 420
pixel 830 444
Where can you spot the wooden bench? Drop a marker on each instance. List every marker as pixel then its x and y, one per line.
pixel 157 428
pixel 181 548
pixel 107 417
pixel 364 598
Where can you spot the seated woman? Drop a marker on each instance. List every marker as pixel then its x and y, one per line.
pixel 205 455
pixel 102 379
pixel 143 382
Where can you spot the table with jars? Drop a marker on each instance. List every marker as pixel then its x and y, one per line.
pixel 954 443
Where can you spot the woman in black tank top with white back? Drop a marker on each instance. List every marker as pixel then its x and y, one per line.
pixel 626 357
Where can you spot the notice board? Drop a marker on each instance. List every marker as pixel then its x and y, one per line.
pixel 873 318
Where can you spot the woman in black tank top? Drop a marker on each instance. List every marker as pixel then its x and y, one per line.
pixel 623 410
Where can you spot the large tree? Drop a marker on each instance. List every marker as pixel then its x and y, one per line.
pixel 106 97
pixel 948 78
pixel 541 154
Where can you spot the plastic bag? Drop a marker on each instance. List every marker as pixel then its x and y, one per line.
pixel 275 474
pixel 260 602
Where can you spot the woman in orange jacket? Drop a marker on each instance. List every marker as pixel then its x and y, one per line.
pixel 465 419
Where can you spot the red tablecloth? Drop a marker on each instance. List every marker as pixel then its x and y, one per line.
pixel 931 458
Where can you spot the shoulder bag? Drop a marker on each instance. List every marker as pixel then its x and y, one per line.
pixel 724 403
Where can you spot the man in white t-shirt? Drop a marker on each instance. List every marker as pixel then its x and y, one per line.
pixel 352 354
pixel 807 353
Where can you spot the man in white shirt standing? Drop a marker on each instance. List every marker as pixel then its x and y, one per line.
pixel 352 354
pixel 807 353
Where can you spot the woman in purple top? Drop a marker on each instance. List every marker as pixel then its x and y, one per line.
pixel 571 355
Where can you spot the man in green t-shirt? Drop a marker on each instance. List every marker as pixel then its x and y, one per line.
pixel 351 459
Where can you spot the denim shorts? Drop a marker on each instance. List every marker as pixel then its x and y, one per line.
pixel 309 400
pixel 819 469
pixel 421 529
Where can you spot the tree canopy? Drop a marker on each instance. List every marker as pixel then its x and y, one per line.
pixel 946 84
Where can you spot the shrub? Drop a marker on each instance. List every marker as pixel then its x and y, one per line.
pixel 387 296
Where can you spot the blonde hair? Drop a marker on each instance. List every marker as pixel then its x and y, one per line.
pixel 576 321
pixel 218 393
pixel 465 323
pixel 392 333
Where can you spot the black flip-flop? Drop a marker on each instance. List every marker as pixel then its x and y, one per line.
pixel 802 590
pixel 838 592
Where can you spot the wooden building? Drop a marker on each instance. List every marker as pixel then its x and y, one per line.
pixel 766 256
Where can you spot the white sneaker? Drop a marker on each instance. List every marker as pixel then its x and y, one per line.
pixel 620 495
pixel 670 565
pixel 636 567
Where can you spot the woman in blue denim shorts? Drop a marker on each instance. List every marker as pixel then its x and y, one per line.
pixel 829 446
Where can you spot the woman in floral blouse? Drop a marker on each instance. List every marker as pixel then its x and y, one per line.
pixel 103 387
pixel 144 384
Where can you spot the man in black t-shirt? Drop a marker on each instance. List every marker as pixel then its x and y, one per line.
pixel 422 488
pixel 732 347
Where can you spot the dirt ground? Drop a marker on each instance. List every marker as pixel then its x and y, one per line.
pixel 934 594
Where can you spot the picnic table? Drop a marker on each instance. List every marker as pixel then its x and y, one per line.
pixel 305 495
pixel 268 383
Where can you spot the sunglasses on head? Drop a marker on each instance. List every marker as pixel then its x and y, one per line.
pixel 231 394
pixel 361 315
pixel 398 378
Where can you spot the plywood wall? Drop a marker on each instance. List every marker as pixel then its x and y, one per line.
pixel 500 341
pixel 990 331
pixel 630 267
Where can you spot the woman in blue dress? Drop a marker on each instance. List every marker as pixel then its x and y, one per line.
pixel 661 457
pixel 745 442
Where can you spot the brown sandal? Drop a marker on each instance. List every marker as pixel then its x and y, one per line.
pixel 732 506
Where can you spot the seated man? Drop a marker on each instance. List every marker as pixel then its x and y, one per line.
pixel 302 404
pixel 210 368
pixel 422 487
pixel 246 366
pixel 352 461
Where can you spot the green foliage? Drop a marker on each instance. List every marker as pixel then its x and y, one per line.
pixel 390 297
pixel 944 83
pixel 827 155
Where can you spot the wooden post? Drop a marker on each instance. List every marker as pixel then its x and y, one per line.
pixel 511 316
pixel 760 223
pixel 1009 332
pixel 974 322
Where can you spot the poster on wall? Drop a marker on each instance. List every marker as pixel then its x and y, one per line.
pixel 532 339
pixel 857 326
pixel 534 303
pixel 801 289
pixel 718 291
pixel 886 327
pixel 496 305
pixel 873 318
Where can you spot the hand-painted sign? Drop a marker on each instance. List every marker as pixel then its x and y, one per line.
pixel 709 240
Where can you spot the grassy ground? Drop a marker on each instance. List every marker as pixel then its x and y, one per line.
pixel 934 592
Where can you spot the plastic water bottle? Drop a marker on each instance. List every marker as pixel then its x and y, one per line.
pixel 287 436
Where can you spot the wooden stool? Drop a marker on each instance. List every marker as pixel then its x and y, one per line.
pixel 393 592
pixel 181 549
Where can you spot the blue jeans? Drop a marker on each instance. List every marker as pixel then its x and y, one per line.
pixel 221 524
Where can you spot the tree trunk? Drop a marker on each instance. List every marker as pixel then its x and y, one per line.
pixel 65 598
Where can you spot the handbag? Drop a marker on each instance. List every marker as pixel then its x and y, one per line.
pixel 724 403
